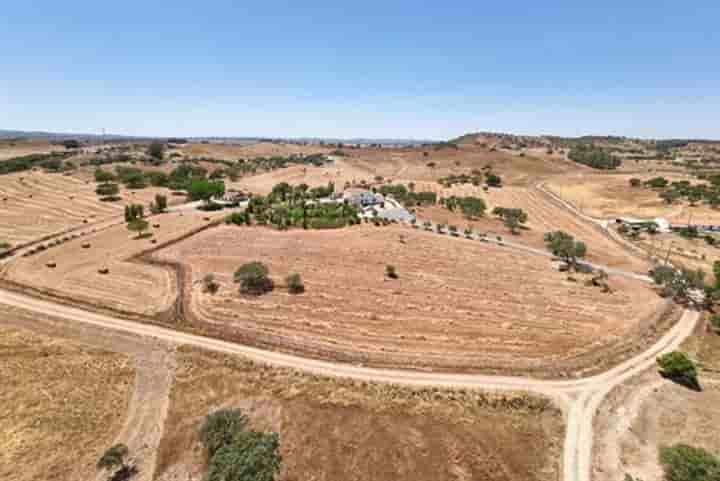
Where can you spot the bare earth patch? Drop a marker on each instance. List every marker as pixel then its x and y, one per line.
pixel 332 429
pixel 457 304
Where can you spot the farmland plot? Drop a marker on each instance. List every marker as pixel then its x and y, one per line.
pixel 456 304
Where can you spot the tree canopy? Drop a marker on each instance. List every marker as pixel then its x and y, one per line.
pixel 565 246
pixel 253 278
pixel 681 462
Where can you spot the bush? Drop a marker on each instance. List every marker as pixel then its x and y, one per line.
pixel 220 427
pixel 237 218
pixel 253 278
pixel 391 272
pixel 209 284
pixel 103 175
pixel 251 456
pixel 295 284
pixel 681 462
pixel 679 368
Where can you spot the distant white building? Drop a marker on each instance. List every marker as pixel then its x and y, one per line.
pixel 230 198
pixel 362 197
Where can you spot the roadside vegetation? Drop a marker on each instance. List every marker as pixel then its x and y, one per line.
pixel 565 246
pixel 678 367
pixel 512 218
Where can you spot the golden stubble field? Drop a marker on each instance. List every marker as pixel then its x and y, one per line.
pixel 332 429
pixel 35 204
pixel 610 195
pixel 61 405
pixel 129 286
pixel 457 304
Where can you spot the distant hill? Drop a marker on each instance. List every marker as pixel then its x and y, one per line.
pixel 24 134
pixel 496 137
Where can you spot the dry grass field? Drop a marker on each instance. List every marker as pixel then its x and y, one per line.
pixel 333 429
pixel 606 196
pixel 17 148
pixel 407 165
pixel 543 216
pixel 129 286
pixel 61 405
pixel 36 204
pixel 452 306
pixel 247 151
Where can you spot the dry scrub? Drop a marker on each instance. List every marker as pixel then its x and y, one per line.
pixel 333 429
pixel 61 405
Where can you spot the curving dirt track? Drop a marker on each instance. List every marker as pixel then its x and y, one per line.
pixel 580 398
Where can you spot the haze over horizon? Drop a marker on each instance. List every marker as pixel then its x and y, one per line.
pixel 376 70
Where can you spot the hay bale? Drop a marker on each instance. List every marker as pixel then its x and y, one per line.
pixel 51 265
pixel 103 270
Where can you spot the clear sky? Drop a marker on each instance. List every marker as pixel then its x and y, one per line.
pixel 399 69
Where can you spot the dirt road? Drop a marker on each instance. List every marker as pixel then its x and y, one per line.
pixel 579 398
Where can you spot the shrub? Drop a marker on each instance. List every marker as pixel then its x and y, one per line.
pixel 210 284
pixel 220 427
pixel 103 175
pixel 138 225
pixel 295 284
pixel 635 182
pixel 253 278
pixel 681 462
pixel 251 456
pixel 391 272
pixel 678 367
pixel 237 218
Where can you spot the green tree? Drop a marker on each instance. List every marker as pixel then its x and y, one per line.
pixel 114 460
pixel 512 218
pixel 253 278
pixel 133 211
pixel 138 225
pixel 107 191
pixel 160 204
pixel 103 175
pixel 678 367
pixel 220 427
pixel 156 150
pixel 203 189
pixel 251 456
pixel 493 180
pixel 565 246
pixel 681 462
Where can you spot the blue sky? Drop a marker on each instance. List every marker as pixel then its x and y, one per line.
pixel 362 69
